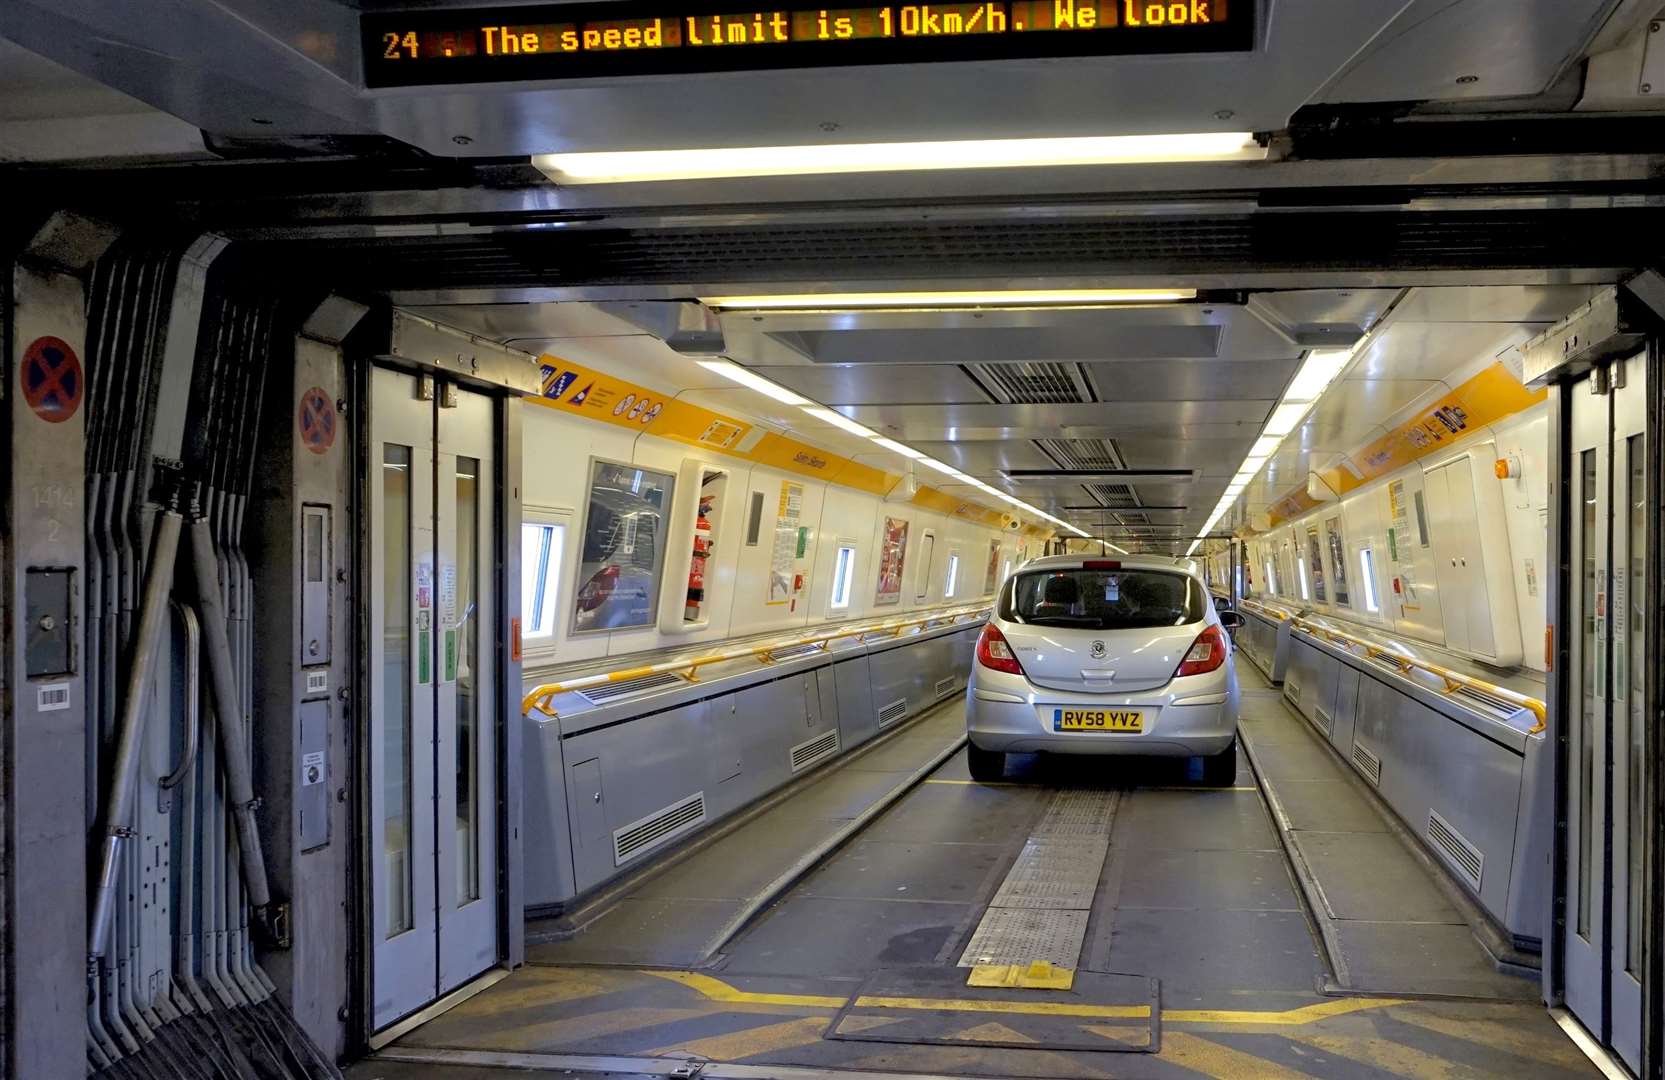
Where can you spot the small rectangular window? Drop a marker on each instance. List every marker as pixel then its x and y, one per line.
pixel 1367 568
pixel 754 519
pixel 1338 559
pixel 540 577
pixel 843 572
pixel 1316 554
pixel 1301 572
pixel 953 577
pixel 1271 580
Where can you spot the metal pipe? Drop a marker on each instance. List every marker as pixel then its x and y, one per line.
pixel 124 777
pixel 228 712
pixel 193 703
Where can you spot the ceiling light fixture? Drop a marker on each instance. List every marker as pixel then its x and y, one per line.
pixel 1320 368
pixel 717 163
pixel 897 448
pixel 733 372
pixel 839 420
pixel 959 298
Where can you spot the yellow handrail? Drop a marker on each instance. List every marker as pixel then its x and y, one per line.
pixel 1270 609
pixel 1454 680
pixel 541 696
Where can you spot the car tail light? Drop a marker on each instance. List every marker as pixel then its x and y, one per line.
pixel 993 651
pixel 1207 653
pixel 1101 564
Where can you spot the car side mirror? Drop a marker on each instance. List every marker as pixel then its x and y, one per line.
pixel 1231 620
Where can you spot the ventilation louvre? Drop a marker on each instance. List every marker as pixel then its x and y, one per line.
pixel 1113 496
pixel 605 692
pixel 1292 690
pixel 1464 857
pixel 1085 454
pixel 1486 704
pixel 1369 764
pixel 810 751
pixel 947 686
pixel 1034 383
pixel 794 652
pixel 1323 720
pixel 658 827
pixel 894 711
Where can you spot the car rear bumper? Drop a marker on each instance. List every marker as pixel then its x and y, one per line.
pixel 1179 720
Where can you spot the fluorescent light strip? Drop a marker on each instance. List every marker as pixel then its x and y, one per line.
pixel 639 166
pixel 753 381
pixel 897 448
pixel 1321 368
pixel 839 420
pixel 980 298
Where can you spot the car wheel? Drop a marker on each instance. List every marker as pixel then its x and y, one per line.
pixel 1220 770
pixel 986 765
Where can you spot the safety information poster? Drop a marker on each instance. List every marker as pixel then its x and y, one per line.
pixel 1399 550
pixel 783 557
pixel 893 549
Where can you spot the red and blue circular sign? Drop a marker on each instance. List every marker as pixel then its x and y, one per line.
pixel 317 420
pixel 53 383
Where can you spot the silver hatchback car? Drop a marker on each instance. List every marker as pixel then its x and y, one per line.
pixel 1102 656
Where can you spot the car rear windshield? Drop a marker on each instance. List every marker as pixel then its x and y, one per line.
pixel 1103 599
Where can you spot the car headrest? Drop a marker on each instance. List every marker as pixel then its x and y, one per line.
pixel 1063 589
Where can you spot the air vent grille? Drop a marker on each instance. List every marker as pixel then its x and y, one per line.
pixel 1114 496
pixel 1323 720
pixel 1034 383
pixel 1292 690
pixel 1084 454
pixel 894 711
pixel 1369 764
pixel 658 827
pixel 1486 704
pixel 794 652
pixel 605 692
pixel 947 686
pixel 1464 857
pixel 809 752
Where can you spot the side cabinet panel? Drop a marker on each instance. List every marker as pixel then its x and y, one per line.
pixel 545 849
pixel 857 720
pixel 1431 763
pixel 1346 708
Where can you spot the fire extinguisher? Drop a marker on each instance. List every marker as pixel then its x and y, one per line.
pixel 696 578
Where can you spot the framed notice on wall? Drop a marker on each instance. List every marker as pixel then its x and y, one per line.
pixel 787 548
pixel 991 577
pixel 893 549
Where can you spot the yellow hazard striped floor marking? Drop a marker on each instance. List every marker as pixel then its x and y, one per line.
pixel 718 990
pixel 1014 1008
pixel 739 1045
pixel 714 989
pixel 1510 1036
pixel 1221 1062
pixel 1306 1014
pixel 542 986
pixel 574 1029
pixel 1390 1057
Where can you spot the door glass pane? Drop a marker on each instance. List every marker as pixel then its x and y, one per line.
pixel 1587 688
pixel 1636 531
pixel 468 663
pixel 396 693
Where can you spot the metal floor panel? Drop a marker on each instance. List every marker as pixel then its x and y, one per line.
pixel 1024 935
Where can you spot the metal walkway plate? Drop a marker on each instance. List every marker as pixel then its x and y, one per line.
pixel 1103 1012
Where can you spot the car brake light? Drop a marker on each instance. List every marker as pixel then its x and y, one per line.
pixel 1101 564
pixel 1207 653
pixel 993 651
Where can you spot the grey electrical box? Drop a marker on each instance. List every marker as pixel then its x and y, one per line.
pixel 312 787
pixel 317 571
pixel 49 607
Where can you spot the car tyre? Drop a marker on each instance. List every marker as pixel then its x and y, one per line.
pixel 985 765
pixel 1220 770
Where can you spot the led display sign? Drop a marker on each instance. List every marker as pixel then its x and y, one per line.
pixel 647 37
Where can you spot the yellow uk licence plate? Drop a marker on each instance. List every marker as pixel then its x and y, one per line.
pixel 1124 720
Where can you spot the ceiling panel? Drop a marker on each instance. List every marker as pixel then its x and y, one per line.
pixel 994 345
pixel 1111 414
pixel 983 459
pixel 1353 407
pixel 860 384
pixel 1420 350
pixel 1494 303
pixel 530 326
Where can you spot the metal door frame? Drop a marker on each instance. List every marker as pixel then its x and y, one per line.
pixel 1563 454
pixel 499 800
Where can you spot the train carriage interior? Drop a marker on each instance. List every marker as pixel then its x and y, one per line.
pixel 1067 539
